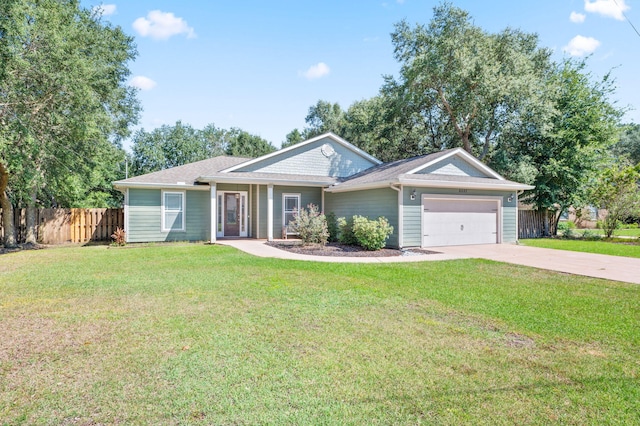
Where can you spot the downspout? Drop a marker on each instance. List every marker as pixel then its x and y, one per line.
pixel 400 213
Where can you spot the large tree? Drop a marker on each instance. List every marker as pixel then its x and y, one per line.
pixel 629 144
pixel 243 144
pixel 64 99
pixel 617 190
pixel 460 85
pixel 562 153
pixel 323 117
pixel 170 146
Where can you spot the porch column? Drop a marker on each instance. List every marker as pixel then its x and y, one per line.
pixel 270 212
pixel 214 212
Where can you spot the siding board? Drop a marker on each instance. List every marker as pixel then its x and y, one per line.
pixel 145 216
pixel 371 203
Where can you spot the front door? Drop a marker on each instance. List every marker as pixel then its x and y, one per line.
pixel 231 214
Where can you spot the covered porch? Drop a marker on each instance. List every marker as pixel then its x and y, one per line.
pixel 258 210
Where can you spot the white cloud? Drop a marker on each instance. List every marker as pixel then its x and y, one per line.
pixel 581 46
pixel 316 71
pixel 162 25
pixel 105 9
pixel 143 83
pixel 609 8
pixel 577 18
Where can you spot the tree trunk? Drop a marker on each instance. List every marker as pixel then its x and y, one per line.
pixel 7 209
pixel 31 237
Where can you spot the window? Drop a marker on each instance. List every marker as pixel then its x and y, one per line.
pixel 290 206
pixel 173 211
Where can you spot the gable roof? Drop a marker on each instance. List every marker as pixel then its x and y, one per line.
pixel 181 176
pixel 465 156
pixel 405 172
pixel 284 151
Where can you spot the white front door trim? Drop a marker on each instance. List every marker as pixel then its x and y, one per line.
pixel 220 199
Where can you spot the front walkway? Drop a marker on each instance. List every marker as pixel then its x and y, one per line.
pixel 261 249
pixel 588 264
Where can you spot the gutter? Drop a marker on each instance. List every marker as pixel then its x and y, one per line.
pixel 261 181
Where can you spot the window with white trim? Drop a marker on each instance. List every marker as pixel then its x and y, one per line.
pixel 290 206
pixel 173 210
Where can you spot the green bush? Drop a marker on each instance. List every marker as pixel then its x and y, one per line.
pixel 310 225
pixel 332 227
pixel 591 235
pixel 345 234
pixel 601 224
pixel 371 234
pixel 630 226
pixel 564 225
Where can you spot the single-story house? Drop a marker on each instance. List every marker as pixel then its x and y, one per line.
pixel 445 198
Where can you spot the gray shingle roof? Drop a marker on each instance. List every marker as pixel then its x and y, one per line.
pixel 425 178
pixel 389 172
pixel 187 173
pixel 275 177
pixel 210 171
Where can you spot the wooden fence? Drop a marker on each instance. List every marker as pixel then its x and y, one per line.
pixel 533 223
pixel 59 226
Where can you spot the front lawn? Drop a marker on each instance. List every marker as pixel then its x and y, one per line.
pixel 616 233
pixel 196 334
pixel 624 248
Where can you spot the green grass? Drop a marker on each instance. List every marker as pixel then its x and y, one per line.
pixel 619 248
pixel 616 233
pixel 196 334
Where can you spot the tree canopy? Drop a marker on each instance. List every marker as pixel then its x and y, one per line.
pixel 497 95
pixel 629 144
pixel 65 103
pixel 170 146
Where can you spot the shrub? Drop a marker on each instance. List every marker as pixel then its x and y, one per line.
pixel 371 234
pixel 590 235
pixel 310 225
pixel 332 227
pixel 563 226
pixel 345 234
pixel 568 234
pixel 119 237
pixel 630 226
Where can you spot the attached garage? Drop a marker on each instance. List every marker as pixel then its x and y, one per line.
pixel 460 220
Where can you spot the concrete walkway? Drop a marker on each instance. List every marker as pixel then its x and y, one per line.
pixel 616 268
pixel 591 265
pixel 261 249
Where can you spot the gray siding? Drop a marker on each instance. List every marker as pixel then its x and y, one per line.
pixel 412 213
pixel 145 221
pixel 453 166
pixel 309 160
pixel 308 195
pixel 371 203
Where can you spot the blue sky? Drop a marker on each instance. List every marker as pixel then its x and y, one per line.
pixel 260 65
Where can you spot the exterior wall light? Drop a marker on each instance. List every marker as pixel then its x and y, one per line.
pixel 413 194
pixel 511 197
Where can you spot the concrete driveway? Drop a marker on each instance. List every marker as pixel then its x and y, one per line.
pixel 616 268
pixel 591 265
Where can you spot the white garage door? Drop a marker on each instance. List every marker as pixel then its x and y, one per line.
pixel 454 222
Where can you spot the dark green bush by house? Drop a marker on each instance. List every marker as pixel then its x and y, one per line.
pixel 366 233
